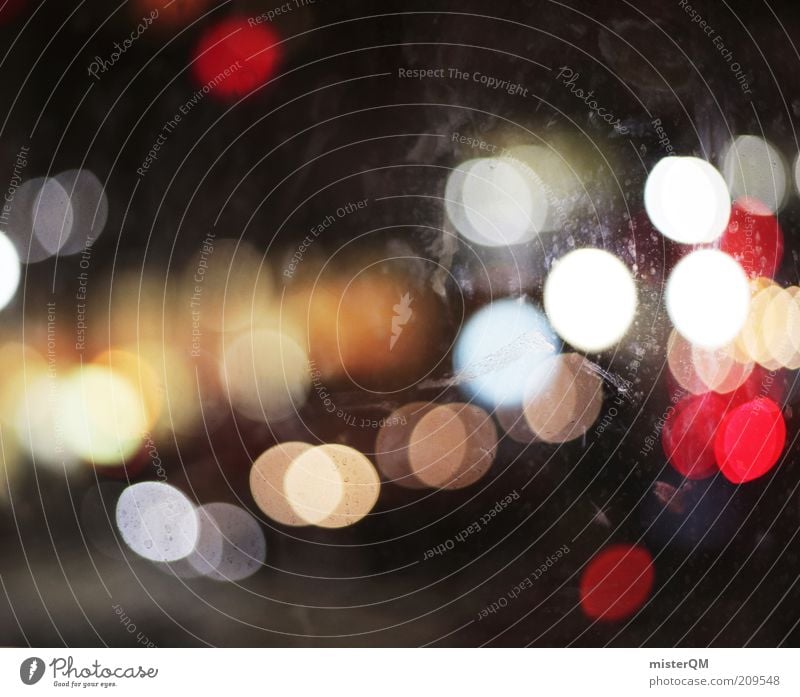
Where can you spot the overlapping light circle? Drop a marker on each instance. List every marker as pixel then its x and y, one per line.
pixel 63 214
pixel 330 486
pixel 570 402
pixel 495 202
pixel 452 446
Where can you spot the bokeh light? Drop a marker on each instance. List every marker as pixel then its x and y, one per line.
pixel 551 180
pixel 707 298
pixel 499 348
pixel 61 215
pixel 590 299
pixel 719 370
pixel 234 57
pixel 157 521
pixel 750 440
pixel 754 338
pixel 687 200
pixel 570 402
pixel 392 441
pixel 226 287
pixel 495 202
pixel 265 375
pixel 104 415
pixel 360 483
pixel 680 359
pixel 755 172
pixel 40 423
pixel 53 217
pixel 452 446
pixel 20 224
pixel 267 481
pixel 332 486
pixel 313 485
pixel 616 582
pixel 89 209
pixel 688 434
pixel 235 547
pixel 781 328
pixel 771 334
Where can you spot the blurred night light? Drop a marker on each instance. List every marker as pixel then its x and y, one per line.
pixel 499 348
pixel 40 420
pixel 104 415
pixel 392 442
pixel 755 171
pixel 756 334
pixel 57 215
pixel 235 546
pixel 452 446
pixel 750 440
pixel 590 299
pixel 331 486
pixel 89 209
pixel 267 482
pixel 234 57
pixel 719 370
pixel 53 216
pixel 313 485
pixel 360 486
pixel 554 184
pixel 687 200
pixel 707 298
pixel 495 202
pixel 570 402
pixel 616 582
pixel 688 434
pixel 265 374
pixel 157 521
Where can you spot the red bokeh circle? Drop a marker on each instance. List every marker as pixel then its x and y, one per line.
pixel 750 440
pixel 689 432
pixel 616 582
pixel 249 54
